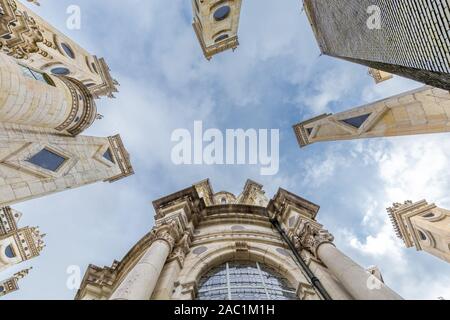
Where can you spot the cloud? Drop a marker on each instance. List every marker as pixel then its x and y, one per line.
pixel 273 80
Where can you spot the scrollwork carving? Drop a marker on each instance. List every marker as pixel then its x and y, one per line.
pixel 310 237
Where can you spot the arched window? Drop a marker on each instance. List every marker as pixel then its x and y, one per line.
pixel 221 38
pixel 9 252
pixel 244 281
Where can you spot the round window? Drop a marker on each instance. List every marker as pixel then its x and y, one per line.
pixel 220 38
pixel 60 71
pixel 68 50
pixel 222 13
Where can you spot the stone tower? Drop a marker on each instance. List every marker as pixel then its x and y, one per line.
pixel 409 39
pixel 425 110
pixel 208 245
pixel 34 42
pixel 216 25
pixel 423 226
pixel 12 284
pixel 17 245
pixel 43 109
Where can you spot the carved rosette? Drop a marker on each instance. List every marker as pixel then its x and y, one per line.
pixel 311 236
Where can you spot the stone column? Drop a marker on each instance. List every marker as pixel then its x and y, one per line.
pixel 166 283
pixel 140 282
pixel 358 282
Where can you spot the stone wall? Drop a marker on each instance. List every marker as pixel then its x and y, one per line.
pixel 413 35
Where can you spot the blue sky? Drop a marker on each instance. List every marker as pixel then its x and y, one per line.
pixel 275 79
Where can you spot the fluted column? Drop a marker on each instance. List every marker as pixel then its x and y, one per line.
pixel 140 282
pixel 358 282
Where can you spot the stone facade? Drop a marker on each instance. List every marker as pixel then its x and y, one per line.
pixel 83 162
pixel 37 99
pixel 12 284
pixel 423 226
pixel 27 37
pixel 425 110
pixel 216 24
pixel 411 41
pixel 17 244
pixel 197 230
pixel 43 110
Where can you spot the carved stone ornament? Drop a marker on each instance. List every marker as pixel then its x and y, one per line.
pixel 181 249
pixel 310 237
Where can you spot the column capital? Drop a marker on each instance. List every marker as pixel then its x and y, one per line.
pixel 166 232
pixel 311 236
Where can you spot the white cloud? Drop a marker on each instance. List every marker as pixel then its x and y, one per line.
pixel 167 84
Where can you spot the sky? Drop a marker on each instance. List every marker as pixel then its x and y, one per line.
pixel 275 79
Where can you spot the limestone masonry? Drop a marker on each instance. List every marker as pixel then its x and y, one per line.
pixel 48 87
pixel 208 245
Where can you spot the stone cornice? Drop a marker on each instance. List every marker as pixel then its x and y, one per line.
pixel 123 158
pixel 236 208
pixel 205 191
pixel 187 199
pixel 251 188
pixel 283 199
pixel 209 52
pixel 109 85
pixel 302 134
pixel 401 215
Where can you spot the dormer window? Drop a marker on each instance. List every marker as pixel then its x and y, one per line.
pixel 36 75
pixel 223 201
pixel 221 38
pixel 108 155
pixel 47 159
pixel 357 122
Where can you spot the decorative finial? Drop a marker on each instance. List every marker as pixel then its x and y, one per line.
pixel 22 274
